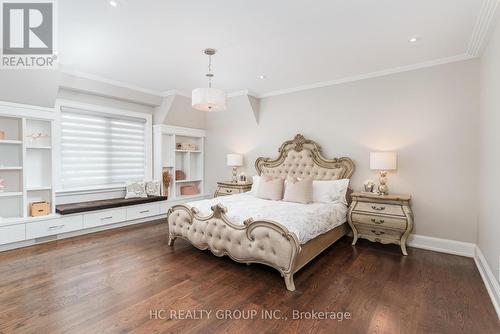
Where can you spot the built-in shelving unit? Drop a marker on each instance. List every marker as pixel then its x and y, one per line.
pixel 26 159
pixel 168 158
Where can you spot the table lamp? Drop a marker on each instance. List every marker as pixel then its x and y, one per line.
pixel 383 161
pixel 235 161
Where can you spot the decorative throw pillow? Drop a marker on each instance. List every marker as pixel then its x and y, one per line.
pixel 298 190
pixel 136 190
pixel 330 191
pixel 255 184
pixel 153 188
pixel 270 188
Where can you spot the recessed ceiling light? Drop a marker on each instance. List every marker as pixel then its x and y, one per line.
pixel 262 76
pixel 113 3
pixel 413 39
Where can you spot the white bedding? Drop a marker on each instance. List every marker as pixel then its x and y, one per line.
pixel 306 221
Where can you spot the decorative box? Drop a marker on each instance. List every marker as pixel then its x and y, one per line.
pixel 189 189
pixel 180 175
pixel 39 209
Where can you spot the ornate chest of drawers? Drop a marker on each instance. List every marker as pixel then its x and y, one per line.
pixel 385 219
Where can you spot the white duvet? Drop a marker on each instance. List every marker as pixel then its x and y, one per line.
pixel 306 221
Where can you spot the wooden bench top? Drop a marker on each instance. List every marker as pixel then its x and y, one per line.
pixel 65 209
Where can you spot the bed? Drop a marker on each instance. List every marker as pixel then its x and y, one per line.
pixel 283 235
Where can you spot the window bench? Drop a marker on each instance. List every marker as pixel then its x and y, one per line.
pixel 66 209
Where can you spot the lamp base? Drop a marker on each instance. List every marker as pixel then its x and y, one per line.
pixel 383 189
pixel 235 175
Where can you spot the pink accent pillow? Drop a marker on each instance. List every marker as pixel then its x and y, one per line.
pixel 299 191
pixel 270 188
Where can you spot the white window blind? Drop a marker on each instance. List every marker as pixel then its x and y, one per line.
pixel 100 149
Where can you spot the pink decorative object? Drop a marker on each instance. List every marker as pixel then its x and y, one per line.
pixel 2 185
pixel 180 175
pixel 188 190
pixel 2 135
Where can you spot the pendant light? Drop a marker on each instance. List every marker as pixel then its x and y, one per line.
pixel 209 99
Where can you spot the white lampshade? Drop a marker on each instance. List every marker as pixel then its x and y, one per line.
pixel 234 160
pixel 383 160
pixel 208 99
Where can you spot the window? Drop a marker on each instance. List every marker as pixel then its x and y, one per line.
pixel 100 149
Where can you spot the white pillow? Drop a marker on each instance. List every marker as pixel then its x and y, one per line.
pixel 153 188
pixel 136 190
pixel 330 191
pixel 255 184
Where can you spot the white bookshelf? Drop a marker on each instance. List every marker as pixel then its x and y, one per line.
pixel 25 163
pixel 168 158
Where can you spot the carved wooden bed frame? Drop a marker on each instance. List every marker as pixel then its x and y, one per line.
pixel 265 241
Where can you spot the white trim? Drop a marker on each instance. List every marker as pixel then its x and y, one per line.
pixel 179 130
pixel 385 72
pixel 244 92
pixel 26 111
pixel 482 27
pixel 489 279
pixel 174 92
pixel 381 73
pixel 94 77
pixel 442 245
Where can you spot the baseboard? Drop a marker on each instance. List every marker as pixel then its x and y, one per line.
pixel 489 279
pixel 442 245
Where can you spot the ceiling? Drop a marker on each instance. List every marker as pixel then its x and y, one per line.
pixel 157 45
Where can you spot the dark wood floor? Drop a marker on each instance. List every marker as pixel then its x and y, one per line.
pixel 109 282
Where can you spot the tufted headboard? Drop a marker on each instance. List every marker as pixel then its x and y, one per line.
pixel 301 157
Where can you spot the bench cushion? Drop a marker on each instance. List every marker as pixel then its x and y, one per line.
pixel 65 209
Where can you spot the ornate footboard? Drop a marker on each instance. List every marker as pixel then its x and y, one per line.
pixel 263 241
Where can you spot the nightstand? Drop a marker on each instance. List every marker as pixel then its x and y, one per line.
pixel 231 188
pixel 387 219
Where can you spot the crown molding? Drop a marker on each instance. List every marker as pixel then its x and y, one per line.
pixel 376 74
pixel 242 93
pixel 84 75
pixel 483 25
pixel 174 92
pixel 382 73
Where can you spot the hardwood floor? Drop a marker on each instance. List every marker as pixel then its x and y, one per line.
pixel 113 281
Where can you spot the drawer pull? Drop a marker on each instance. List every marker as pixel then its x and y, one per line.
pixel 377 232
pixel 378 222
pixel 106 218
pixel 229 190
pixel 57 227
pixel 145 211
pixel 378 208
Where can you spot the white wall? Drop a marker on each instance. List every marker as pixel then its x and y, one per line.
pixel 182 114
pixel 429 116
pixel 489 172
pixel 32 87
